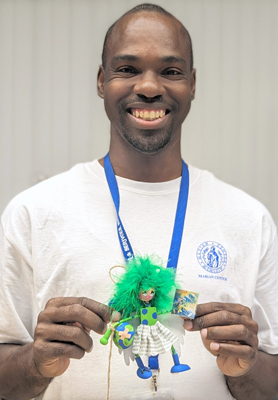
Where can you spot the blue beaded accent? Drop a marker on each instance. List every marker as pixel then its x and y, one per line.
pixel 145 322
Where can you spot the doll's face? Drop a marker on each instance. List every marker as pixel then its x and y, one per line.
pixel 146 295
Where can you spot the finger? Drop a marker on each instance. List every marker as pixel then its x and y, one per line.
pixel 102 310
pixel 243 352
pixel 221 318
pixel 238 333
pixel 73 313
pixel 208 308
pixel 87 330
pixel 64 333
pixel 53 350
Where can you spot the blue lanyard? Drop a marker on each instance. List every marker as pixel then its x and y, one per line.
pixel 179 219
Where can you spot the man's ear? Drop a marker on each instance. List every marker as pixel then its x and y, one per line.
pixel 100 82
pixel 193 83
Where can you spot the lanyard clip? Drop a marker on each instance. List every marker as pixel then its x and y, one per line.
pixel 154 383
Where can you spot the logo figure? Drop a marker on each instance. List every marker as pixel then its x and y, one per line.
pixel 212 256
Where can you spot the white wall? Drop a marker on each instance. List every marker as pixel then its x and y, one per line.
pixel 51 117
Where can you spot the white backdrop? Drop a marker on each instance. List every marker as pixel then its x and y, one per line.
pixel 51 117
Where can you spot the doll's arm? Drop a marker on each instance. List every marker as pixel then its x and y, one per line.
pixel 105 338
pixel 163 312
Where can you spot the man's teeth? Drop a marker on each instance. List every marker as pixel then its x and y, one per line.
pixel 148 115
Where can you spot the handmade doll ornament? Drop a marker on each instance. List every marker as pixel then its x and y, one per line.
pixel 145 291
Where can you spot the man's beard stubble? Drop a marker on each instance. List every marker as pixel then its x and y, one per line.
pixel 151 141
pixel 149 144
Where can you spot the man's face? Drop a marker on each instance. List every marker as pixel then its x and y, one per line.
pixel 147 85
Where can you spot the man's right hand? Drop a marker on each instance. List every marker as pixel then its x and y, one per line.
pixel 63 331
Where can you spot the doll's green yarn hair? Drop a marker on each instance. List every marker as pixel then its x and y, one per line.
pixel 144 273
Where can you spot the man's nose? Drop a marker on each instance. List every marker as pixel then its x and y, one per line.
pixel 149 85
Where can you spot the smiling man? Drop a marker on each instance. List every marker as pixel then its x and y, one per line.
pixel 147 81
pixel 59 241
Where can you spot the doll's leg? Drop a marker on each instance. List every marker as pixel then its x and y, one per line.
pixel 143 372
pixel 153 362
pixel 177 367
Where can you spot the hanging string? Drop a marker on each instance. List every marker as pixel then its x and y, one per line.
pixel 109 361
pixel 115 266
pixel 111 338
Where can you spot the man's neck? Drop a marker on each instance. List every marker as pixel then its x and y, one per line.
pixel 161 167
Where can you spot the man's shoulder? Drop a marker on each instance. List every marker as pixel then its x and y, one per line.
pixel 52 192
pixel 213 185
pixel 43 191
pixel 227 199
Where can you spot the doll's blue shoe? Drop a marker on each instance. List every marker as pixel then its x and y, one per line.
pixel 143 372
pixel 178 367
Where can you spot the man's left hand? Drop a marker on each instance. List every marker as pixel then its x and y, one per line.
pixel 229 333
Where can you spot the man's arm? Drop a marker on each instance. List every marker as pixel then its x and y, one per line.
pixel 259 383
pixel 62 333
pixel 19 377
pixel 230 334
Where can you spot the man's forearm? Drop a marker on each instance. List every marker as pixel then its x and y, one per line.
pixel 260 383
pixel 19 377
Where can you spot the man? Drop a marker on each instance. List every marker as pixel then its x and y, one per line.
pixel 59 241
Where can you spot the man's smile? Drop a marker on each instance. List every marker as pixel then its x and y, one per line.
pixel 147 114
pixel 148 118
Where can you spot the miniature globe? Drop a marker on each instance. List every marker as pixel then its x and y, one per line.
pixel 123 335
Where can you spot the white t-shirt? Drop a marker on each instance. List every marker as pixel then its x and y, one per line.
pixel 59 238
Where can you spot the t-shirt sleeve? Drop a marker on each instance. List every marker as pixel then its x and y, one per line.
pixel 18 309
pixel 265 310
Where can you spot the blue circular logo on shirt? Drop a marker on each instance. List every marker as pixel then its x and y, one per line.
pixel 212 256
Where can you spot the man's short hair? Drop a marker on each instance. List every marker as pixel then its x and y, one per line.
pixel 149 8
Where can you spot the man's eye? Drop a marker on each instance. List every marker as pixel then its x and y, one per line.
pixel 127 70
pixel 171 72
